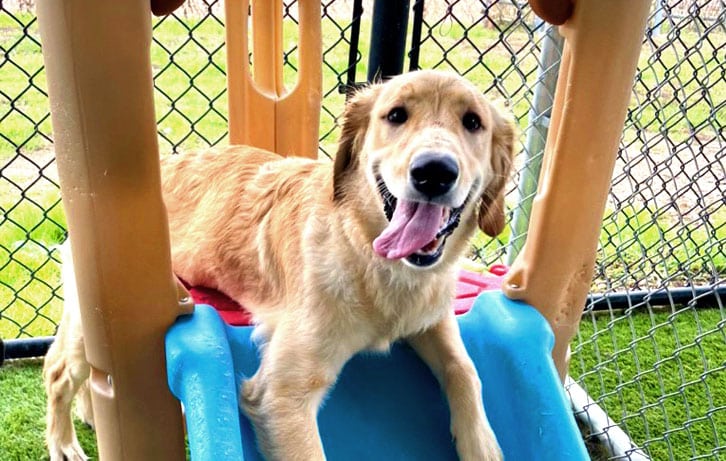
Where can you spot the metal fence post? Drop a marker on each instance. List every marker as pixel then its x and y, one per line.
pixel 539 120
pixel 659 17
pixel 388 38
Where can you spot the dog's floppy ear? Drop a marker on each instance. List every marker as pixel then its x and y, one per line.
pixel 355 123
pixel 491 211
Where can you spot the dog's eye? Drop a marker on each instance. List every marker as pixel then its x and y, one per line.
pixel 397 115
pixel 471 121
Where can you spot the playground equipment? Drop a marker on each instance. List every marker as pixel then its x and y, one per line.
pixel 262 112
pixel 100 86
pixel 554 269
pixel 386 407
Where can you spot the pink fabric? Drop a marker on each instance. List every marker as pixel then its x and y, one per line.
pixel 469 285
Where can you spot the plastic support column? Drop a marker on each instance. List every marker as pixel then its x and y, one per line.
pixel 262 111
pixel 97 58
pixel 554 270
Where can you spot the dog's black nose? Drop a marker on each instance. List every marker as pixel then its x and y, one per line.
pixel 433 174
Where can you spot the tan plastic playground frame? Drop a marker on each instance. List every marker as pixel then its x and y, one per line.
pixel 101 92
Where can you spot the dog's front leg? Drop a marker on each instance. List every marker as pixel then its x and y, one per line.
pixel 283 397
pixel 443 351
pixel 65 371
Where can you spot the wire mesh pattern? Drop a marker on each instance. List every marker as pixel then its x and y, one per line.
pixel 32 220
pixel 657 368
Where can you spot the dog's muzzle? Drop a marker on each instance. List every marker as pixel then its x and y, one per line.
pixel 408 235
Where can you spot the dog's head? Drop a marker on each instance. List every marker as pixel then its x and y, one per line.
pixel 433 152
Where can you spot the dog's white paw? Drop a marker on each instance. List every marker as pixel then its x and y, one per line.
pixel 66 452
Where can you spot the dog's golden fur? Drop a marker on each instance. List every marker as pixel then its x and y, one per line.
pixel 292 240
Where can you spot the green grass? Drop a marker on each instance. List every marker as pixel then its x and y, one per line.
pixel 192 103
pixel 661 375
pixel 645 249
pixel 22 414
pixel 680 68
pixel 640 250
pixel 30 302
pixel 23 86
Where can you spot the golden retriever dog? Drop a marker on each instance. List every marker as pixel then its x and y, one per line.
pixel 333 258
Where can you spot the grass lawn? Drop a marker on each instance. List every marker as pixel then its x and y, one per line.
pixel 30 297
pixel 661 375
pixel 22 414
pixel 189 65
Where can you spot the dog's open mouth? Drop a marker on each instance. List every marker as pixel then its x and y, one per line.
pixel 417 231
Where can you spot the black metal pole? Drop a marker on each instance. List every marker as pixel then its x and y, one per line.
pixel 353 51
pixel 388 39
pixel 418 10
pixel 695 296
pixel 26 347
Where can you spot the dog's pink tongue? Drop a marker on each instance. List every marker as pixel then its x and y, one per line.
pixel 413 226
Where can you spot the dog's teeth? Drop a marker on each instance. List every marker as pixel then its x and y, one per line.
pixel 431 247
pixel 445 213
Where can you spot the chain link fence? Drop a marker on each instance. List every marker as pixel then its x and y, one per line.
pixel 651 348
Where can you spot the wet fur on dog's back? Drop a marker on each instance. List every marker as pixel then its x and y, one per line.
pixel 293 241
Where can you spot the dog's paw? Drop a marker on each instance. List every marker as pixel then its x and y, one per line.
pixel 66 452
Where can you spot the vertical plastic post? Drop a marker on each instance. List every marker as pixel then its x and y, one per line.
pixel 267 52
pixel 97 58
pixel 554 270
pixel 262 112
pixel 297 119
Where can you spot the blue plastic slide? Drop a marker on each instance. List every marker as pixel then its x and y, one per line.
pixel 385 406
